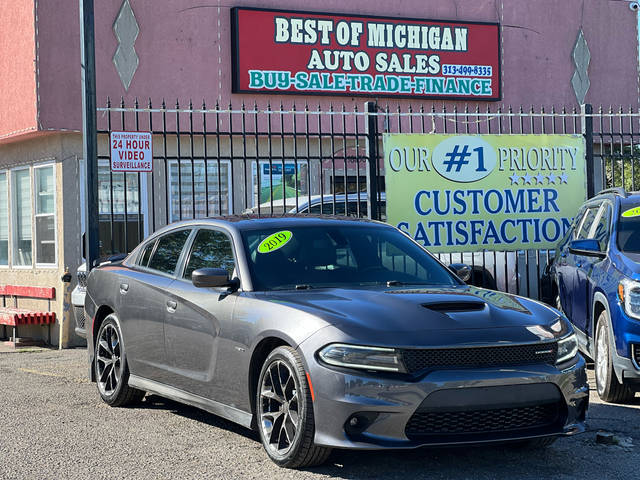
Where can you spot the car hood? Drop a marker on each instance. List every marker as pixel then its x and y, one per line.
pixel 426 316
pixel 629 264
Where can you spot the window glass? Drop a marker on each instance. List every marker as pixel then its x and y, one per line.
pixel 628 228
pixel 328 256
pixel 600 231
pixel 165 258
pixel 4 219
pixel 188 185
pixel 45 215
pixel 146 253
pixel 585 225
pixel 210 249
pixel 21 221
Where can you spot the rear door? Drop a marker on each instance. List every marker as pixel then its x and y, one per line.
pixel 194 324
pixel 143 294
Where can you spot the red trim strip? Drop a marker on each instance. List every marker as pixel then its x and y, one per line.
pixel 313 397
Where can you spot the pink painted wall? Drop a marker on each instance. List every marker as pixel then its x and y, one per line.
pixel 184 50
pixel 18 108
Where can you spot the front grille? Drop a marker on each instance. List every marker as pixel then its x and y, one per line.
pixel 82 279
pixel 492 421
pixel 79 314
pixel 417 360
pixel 635 353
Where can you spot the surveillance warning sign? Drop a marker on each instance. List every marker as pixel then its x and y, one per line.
pixel 276 51
pixel 131 152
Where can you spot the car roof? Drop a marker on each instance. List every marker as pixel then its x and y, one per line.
pixel 252 222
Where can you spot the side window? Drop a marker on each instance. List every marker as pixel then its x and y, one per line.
pixel 210 249
pixel 585 224
pixel 143 261
pixel 600 229
pixel 165 258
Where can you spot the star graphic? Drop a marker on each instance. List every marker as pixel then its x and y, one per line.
pixel 539 178
pixel 564 178
pixel 527 178
pixel 552 178
pixel 514 179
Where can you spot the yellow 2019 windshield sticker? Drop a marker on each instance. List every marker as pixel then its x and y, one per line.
pixel 275 241
pixel 632 212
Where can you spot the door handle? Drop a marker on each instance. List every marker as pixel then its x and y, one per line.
pixel 171 306
pixel 124 288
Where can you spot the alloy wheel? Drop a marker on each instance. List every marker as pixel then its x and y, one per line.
pixel 108 360
pixel 279 408
pixel 602 359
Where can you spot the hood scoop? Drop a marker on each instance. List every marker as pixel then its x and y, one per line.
pixel 455 307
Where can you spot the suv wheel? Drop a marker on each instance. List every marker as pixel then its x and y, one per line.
pixel 112 372
pixel 607 385
pixel 285 412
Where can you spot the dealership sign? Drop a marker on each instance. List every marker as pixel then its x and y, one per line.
pixel 466 193
pixel 277 51
pixel 131 152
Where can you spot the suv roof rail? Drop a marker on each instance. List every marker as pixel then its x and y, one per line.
pixel 616 190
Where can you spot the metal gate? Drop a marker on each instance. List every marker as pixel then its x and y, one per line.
pixel 322 159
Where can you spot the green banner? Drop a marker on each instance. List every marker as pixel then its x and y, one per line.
pixel 465 193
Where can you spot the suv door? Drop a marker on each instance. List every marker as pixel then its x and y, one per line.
pixel 586 266
pixel 193 326
pixel 575 299
pixel 143 304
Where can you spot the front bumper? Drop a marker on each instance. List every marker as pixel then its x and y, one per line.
pixel 387 404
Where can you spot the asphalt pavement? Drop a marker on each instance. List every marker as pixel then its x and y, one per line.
pixel 54 426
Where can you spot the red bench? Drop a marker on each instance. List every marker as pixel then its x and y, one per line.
pixel 13 316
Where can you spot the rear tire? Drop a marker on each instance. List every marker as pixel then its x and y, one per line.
pixel 284 410
pixel 111 369
pixel 607 385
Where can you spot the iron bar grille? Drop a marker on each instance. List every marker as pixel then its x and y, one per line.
pixel 483 421
pixel 636 354
pixel 299 158
pixel 417 360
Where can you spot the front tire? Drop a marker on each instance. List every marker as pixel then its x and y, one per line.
pixel 284 408
pixel 607 385
pixel 110 363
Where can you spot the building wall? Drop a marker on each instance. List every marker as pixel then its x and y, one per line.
pixel 184 50
pixel 62 150
pixel 18 92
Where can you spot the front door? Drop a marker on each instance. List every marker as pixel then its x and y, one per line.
pixel 198 315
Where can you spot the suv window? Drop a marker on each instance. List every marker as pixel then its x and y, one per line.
pixel 210 249
pixel 600 229
pixel 585 225
pixel 165 258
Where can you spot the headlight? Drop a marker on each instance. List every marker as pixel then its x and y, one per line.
pixel 567 348
pixel 367 358
pixel 629 294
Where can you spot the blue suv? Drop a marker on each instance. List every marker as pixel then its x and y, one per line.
pixel 596 283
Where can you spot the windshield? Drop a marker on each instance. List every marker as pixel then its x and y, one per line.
pixel 629 229
pixel 338 256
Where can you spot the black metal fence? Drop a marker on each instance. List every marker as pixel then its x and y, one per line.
pixel 323 159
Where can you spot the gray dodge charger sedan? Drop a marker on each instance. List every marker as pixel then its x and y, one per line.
pixel 329 333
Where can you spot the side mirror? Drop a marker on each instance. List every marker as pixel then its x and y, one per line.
pixel 212 278
pixel 462 271
pixel 588 247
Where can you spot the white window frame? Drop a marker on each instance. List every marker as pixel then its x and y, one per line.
pixel 34 240
pixel 187 161
pixel 9 229
pixel 12 221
